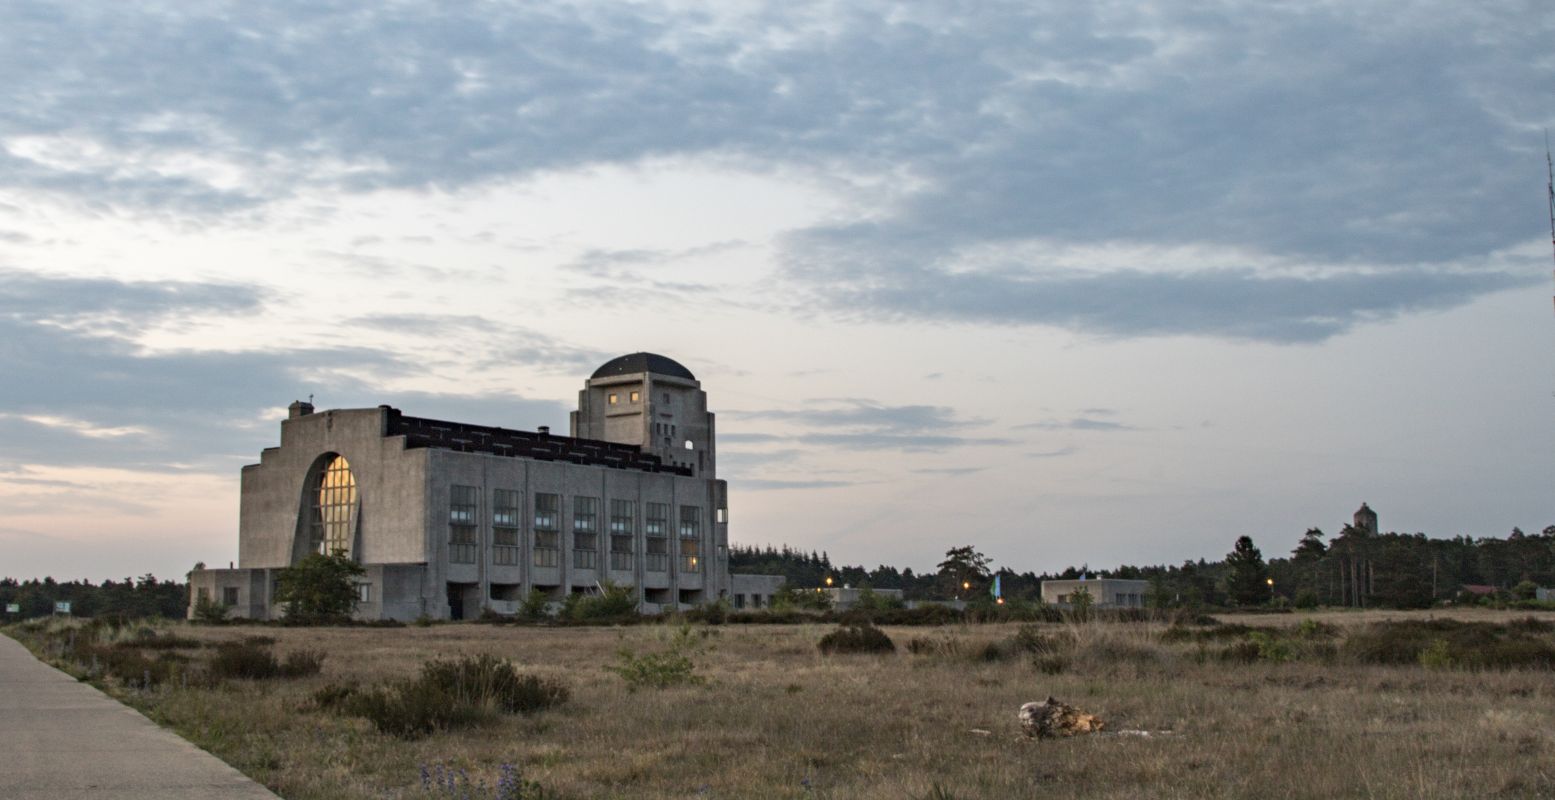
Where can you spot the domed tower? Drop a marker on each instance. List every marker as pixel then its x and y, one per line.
pixel 1366 519
pixel 651 401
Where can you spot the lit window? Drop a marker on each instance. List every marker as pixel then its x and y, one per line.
pixel 690 539
pixel 636 397
pixel 364 593
pixel 334 508
pixel 613 398
pixel 689 445
pixel 721 515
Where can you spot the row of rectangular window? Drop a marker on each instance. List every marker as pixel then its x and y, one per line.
pixel 507 510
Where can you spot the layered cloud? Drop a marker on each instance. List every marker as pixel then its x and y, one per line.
pixel 1370 160
pixel 80 390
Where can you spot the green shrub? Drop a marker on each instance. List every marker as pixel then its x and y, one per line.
pixel 319 589
pixel 488 681
pixel 411 710
pixel 671 667
pixel 447 694
pixel 614 602
pixel 1306 599
pixel 536 605
pixel 1271 647
pixel 210 612
pixel 332 697
pixel 857 638
pixel 1437 655
pixel 245 660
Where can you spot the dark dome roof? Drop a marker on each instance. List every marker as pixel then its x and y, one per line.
pixel 643 362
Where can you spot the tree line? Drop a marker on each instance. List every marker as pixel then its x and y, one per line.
pixel 1356 568
pixel 133 598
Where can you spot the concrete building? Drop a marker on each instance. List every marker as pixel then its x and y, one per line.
pixel 449 519
pixel 1105 592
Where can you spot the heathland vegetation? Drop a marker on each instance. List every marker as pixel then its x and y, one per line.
pixel 1378 704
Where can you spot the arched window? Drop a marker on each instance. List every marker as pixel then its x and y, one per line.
pixel 334 508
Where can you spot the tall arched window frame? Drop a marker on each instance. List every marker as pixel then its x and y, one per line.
pixel 334 501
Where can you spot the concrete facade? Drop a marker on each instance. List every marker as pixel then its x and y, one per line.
pixel 1105 592
pixel 452 519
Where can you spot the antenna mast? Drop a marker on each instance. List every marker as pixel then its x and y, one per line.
pixel 1549 171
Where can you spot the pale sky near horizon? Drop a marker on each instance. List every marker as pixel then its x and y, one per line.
pixel 1074 283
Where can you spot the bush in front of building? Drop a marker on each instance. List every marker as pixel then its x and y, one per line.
pixel 614 603
pixel 210 612
pixel 319 590
pixel 856 638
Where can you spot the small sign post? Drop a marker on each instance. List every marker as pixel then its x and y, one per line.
pixel 13 608
pixel 62 607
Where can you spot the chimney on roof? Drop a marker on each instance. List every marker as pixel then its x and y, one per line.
pixel 545 430
pixel 299 409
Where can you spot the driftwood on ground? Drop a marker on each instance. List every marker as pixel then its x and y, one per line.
pixel 1053 718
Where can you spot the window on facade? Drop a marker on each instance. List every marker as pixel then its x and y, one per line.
pixel 364 592
pixel 507 508
pixel 463 511
pixel 689 445
pixel 506 513
pixel 585 532
pixel 585 514
pixel 721 515
pixel 547 548
pixel 229 596
pixel 613 398
pixel 690 539
pixel 657 558
pixel 636 397
pixel 690 555
pixel 202 594
pixel 623 529
pixel 548 512
pixel 334 508
pixel 585 550
pixel 656 521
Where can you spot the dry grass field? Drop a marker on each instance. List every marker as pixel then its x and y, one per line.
pixel 775 719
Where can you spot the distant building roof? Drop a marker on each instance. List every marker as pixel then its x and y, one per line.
pixel 643 362
pixel 1478 588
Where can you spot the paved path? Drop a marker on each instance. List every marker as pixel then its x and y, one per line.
pixel 64 739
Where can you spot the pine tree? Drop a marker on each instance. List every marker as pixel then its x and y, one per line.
pixel 1248 581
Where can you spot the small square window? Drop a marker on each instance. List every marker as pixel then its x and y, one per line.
pixel 364 592
pixel 636 397
pixel 689 445
pixel 229 596
pixel 614 397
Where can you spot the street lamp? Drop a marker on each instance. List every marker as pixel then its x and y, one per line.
pixel 828 581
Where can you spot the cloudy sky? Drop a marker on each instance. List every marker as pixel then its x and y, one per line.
pixel 1072 282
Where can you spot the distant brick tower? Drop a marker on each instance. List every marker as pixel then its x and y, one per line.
pixel 1366 520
